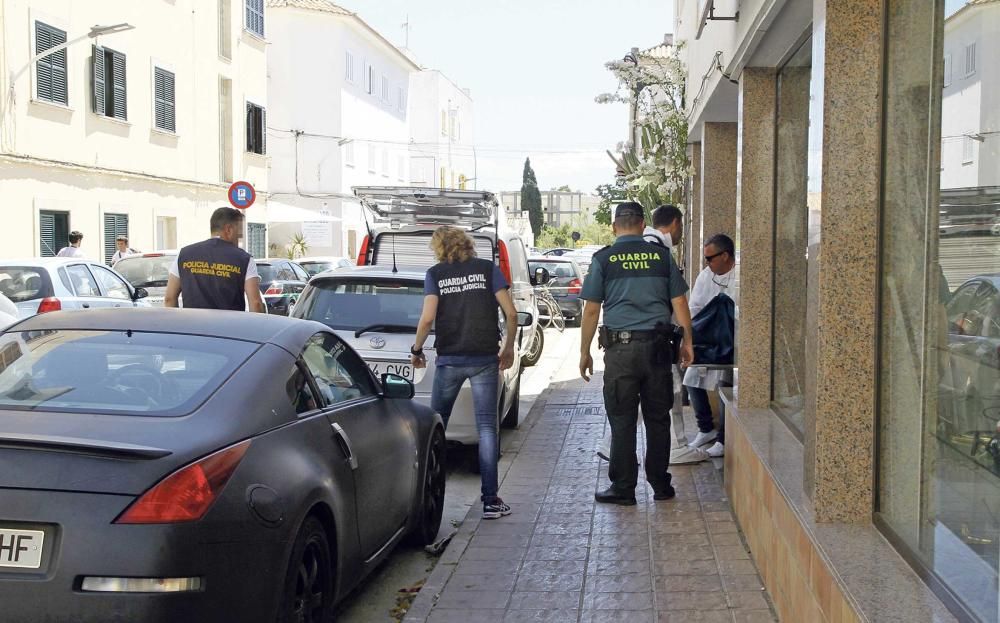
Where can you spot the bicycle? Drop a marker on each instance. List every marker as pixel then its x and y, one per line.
pixel 549 307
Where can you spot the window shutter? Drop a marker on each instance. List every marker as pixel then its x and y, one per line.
pixel 50 71
pixel 249 120
pixel 97 83
pixel 114 225
pixel 163 97
pixel 263 130
pixel 47 234
pixel 118 81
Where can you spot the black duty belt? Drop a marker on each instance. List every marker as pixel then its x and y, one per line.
pixel 624 337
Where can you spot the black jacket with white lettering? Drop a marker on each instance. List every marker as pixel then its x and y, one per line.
pixel 467 316
pixel 213 275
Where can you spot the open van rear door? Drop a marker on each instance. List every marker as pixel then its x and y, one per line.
pixel 390 205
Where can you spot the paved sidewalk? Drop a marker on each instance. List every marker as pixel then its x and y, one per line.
pixel 562 557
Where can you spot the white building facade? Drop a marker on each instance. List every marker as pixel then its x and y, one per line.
pixel 339 119
pixel 138 132
pixel 442 151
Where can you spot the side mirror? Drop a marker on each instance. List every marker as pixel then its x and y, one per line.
pixel 396 386
pixel 541 276
pixel 140 293
pixel 524 319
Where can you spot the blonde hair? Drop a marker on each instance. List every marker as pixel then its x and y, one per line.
pixel 451 244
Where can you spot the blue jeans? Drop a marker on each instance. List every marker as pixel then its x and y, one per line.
pixel 448 382
pixel 703 412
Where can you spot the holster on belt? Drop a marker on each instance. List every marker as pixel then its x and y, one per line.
pixel 664 352
pixel 603 338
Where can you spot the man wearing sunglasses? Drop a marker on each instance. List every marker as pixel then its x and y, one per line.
pixel 716 278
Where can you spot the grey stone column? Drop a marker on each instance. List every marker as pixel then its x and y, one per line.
pixel 718 179
pixel 692 217
pixel 755 210
pixel 843 431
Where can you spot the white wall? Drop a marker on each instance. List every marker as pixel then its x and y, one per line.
pixel 441 139
pixel 318 98
pixel 88 164
pixel 971 103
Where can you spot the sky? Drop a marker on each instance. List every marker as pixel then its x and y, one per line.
pixel 534 68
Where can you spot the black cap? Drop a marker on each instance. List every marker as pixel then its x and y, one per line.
pixel 629 208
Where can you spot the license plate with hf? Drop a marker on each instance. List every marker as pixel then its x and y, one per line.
pixel 21 549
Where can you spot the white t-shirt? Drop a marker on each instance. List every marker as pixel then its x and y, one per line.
pixel 70 251
pixel 122 254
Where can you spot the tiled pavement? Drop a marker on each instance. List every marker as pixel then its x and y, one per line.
pixel 562 557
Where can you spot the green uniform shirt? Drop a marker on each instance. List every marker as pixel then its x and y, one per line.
pixel 635 280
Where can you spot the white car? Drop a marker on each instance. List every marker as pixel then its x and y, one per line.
pixel 318 264
pixel 39 285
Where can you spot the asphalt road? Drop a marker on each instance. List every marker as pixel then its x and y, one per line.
pixel 384 595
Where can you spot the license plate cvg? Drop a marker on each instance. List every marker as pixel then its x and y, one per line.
pixel 21 549
pixel 404 370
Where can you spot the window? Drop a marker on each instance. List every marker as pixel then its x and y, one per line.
pixel 225 29
pixel 111 284
pixel 225 129
pixel 400 99
pixel 125 373
pixel 349 68
pixel 349 154
pixel 50 71
pixel 970 59
pixel 350 303
pixel 300 391
pixel 385 89
pixel 947 70
pixel 53 232
pixel 340 375
pixel 256 129
pixel 163 100
pixel 166 232
pixel 442 184
pixel 444 123
pixel 108 83
pixel 83 282
pixel 256 239
pixel 255 17
pixel 372 158
pixel 968 150
pixel 369 79
pixel 114 225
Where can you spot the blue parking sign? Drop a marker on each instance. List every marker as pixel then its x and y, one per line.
pixel 242 195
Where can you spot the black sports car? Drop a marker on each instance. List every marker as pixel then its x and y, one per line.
pixel 191 465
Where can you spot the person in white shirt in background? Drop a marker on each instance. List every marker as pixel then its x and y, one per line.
pixel 123 250
pixel 73 250
pixel 715 278
pixel 666 231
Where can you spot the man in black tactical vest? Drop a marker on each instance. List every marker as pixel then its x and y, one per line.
pixel 462 293
pixel 638 284
pixel 216 273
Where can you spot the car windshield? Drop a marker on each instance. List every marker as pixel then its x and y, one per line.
pixel 116 372
pixel 315 268
pixel 556 269
pixel 356 303
pixel 146 271
pixel 23 283
pixel 266 272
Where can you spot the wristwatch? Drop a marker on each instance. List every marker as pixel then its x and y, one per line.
pixel 416 351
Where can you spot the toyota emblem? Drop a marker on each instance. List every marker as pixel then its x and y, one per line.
pixel 377 342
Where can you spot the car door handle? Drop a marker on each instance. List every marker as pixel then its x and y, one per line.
pixel 86 305
pixel 345 444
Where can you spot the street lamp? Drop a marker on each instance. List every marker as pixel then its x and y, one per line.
pixel 95 31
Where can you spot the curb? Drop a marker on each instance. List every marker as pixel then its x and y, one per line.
pixel 425 600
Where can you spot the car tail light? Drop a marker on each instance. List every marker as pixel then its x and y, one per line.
pixel 504 261
pixel 274 289
pixel 363 254
pixel 49 304
pixel 152 255
pixel 187 494
pixel 574 286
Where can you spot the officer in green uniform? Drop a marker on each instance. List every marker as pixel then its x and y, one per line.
pixel 639 284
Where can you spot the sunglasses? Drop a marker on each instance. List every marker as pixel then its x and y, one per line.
pixel 709 258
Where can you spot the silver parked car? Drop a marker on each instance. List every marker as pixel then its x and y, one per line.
pixel 39 285
pixel 375 310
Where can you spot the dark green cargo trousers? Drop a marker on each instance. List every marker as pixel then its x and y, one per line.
pixel 632 377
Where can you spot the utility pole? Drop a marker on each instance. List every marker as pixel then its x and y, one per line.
pixel 406 29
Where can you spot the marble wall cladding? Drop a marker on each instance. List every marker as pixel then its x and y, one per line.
pixel 755 210
pixel 692 224
pixel 718 180
pixel 791 222
pixel 846 365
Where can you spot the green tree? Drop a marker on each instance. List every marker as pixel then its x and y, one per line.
pixel 610 194
pixel 531 198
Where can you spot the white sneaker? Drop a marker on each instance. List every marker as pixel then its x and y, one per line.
pixel 703 438
pixel 717 450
